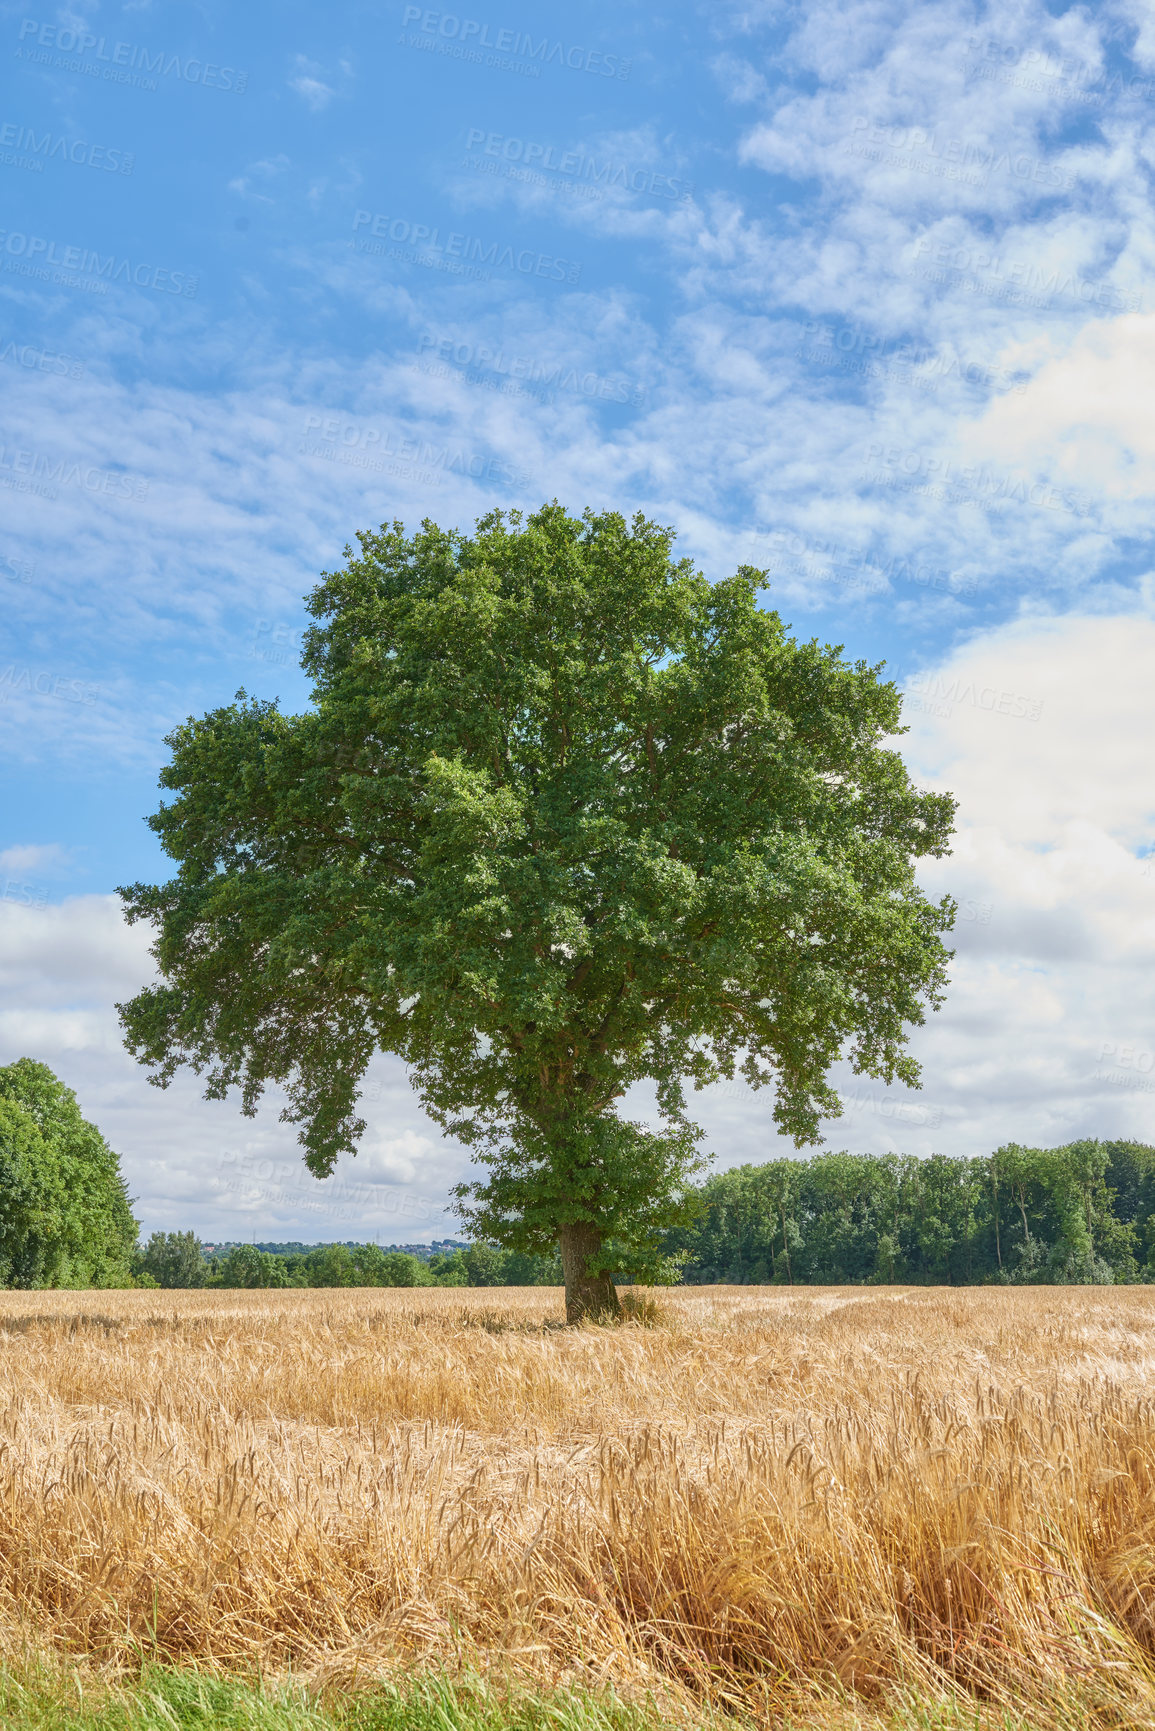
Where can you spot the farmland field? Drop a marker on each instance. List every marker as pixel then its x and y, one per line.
pixel 829 1503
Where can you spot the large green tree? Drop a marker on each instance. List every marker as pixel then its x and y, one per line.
pixel 65 1216
pixel 174 1260
pixel 564 817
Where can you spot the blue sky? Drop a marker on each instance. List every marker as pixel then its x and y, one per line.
pixel 862 294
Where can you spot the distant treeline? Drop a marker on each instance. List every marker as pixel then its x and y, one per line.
pixel 297 1247
pixel 1081 1214
pixel 1084 1213
pixel 177 1259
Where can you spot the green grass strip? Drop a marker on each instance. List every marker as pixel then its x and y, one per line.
pixel 50 1695
pixel 44 1698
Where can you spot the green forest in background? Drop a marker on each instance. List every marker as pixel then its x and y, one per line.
pixel 1080 1214
pixel 1076 1215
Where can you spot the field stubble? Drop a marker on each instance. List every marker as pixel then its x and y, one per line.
pixel 810 1501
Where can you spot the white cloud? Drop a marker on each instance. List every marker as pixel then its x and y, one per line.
pixel 265 172
pixel 35 857
pixel 728 404
pixel 316 94
pixel 1085 414
pixel 309 84
pixel 741 81
pixel 1084 767
pixel 1057 938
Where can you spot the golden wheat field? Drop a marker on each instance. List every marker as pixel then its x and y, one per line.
pixel 765 1501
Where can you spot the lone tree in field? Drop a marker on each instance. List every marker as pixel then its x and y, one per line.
pixel 564 817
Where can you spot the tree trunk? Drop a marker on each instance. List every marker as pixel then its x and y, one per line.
pixel 588 1297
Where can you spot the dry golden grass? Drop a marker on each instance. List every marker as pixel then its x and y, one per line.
pixel 771 1500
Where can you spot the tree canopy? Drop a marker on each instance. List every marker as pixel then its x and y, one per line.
pixel 173 1260
pixel 564 817
pixel 1080 1214
pixel 65 1216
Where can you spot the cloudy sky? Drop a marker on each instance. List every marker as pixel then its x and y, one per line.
pixel 861 293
